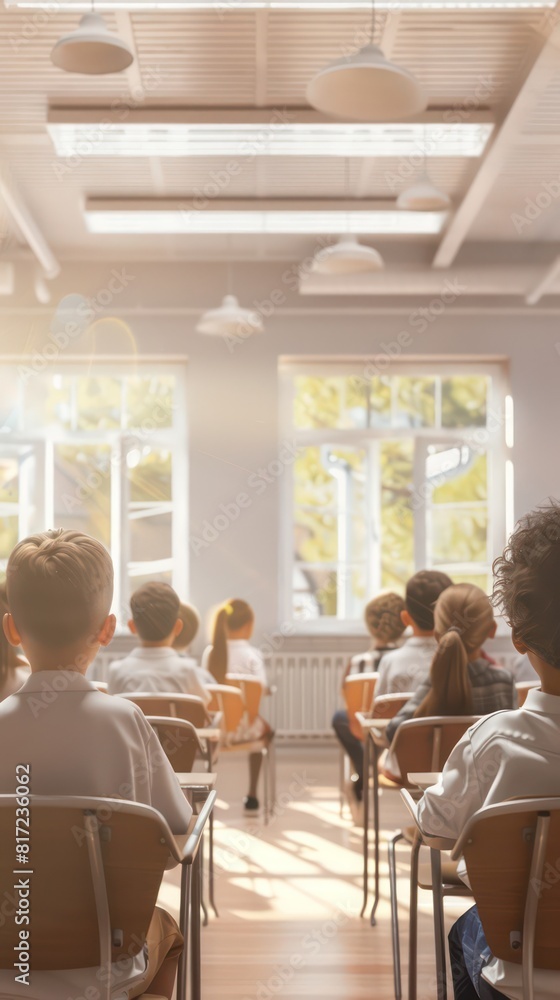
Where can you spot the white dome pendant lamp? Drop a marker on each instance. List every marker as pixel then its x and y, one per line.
pixel 230 319
pixel 347 255
pixel 423 195
pixel 366 87
pixel 92 49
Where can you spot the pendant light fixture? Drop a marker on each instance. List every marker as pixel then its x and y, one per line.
pixel 423 195
pixel 230 319
pixel 347 255
pixel 92 49
pixel 366 87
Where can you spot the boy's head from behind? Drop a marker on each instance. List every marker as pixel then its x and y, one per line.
pixel 422 592
pixel 383 618
pixel 191 622
pixel 155 613
pixel 60 589
pixel 527 584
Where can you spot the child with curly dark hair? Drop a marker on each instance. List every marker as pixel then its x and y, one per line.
pixel 509 754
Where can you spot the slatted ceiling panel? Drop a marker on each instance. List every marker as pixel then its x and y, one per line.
pixel 545 116
pixel 28 79
pixel 202 176
pixel 454 53
pixel 204 58
pixel 302 43
pixel 386 177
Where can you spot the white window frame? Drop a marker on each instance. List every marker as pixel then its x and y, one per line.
pixel 174 438
pixel 500 501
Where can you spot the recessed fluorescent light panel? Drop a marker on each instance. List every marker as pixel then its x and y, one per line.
pixel 281 137
pixel 184 220
pixel 227 5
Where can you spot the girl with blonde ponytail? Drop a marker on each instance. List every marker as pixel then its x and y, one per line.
pixel 463 680
pixel 232 653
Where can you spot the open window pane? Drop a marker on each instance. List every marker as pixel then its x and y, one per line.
pixel 98 403
pixel 396 466
pixel 415 404
pixel 150 402
pixel 459 535
pixel 330 402
pixel 464 400
pixel 82 489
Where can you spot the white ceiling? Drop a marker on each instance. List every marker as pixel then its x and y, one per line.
pixel 497 59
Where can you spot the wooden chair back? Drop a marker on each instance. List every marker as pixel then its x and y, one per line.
pixel 228 701
pixel 179 741
pixel 251 690
pixel 358 692
pixel 512 851
pixel 386 706
pixel 97 868
pixel 523 688
pixel 425 744
pixel 189 707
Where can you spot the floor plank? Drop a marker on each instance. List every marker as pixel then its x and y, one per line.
pixel 289 894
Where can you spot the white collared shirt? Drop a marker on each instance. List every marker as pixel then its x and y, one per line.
pixel 156 668
pixel 17 676
pixel 506 755
pixel 404 669
pixel 242 659
pixel 79 741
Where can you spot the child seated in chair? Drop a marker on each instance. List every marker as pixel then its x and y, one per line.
pixel 154 665
pixel 182 642
pixel 76 740
pixel 384 620
pixel 509 754
pixel 461 680
pixel 232 653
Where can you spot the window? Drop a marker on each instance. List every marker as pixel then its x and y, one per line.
pixel 100 449
pixel 395 472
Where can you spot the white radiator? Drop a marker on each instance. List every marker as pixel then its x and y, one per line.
pixel 307 690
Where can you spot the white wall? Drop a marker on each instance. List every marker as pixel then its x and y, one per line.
pixel 233 397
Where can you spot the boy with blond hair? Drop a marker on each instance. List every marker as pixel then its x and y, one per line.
pixel 510 754
pixel 155 665
pixel 76 739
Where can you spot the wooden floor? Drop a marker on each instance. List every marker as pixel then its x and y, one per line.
pixel 289 894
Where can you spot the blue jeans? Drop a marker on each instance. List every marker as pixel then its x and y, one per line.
pixel 469 954
pixel 353 747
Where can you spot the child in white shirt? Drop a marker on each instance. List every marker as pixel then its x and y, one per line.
pixel 182 642
pixel 511 754
pixel 155 665
pixel 232 653
pixel 76 740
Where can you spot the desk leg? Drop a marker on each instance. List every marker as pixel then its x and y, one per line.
pixel 439 928
pixel 195 932
pixel 184 907
pixel 365 848
pixel 375 829
pixel 211 863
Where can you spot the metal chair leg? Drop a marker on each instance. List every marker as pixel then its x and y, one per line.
pixel 341 775
pixel 186 879
pixel 395 915
pixel 201 876
pixel 365 847
pixel 211 863
pixel 439 927
pixel 375 830
pixel 195 932
pixel 266 762
pixel 413 916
